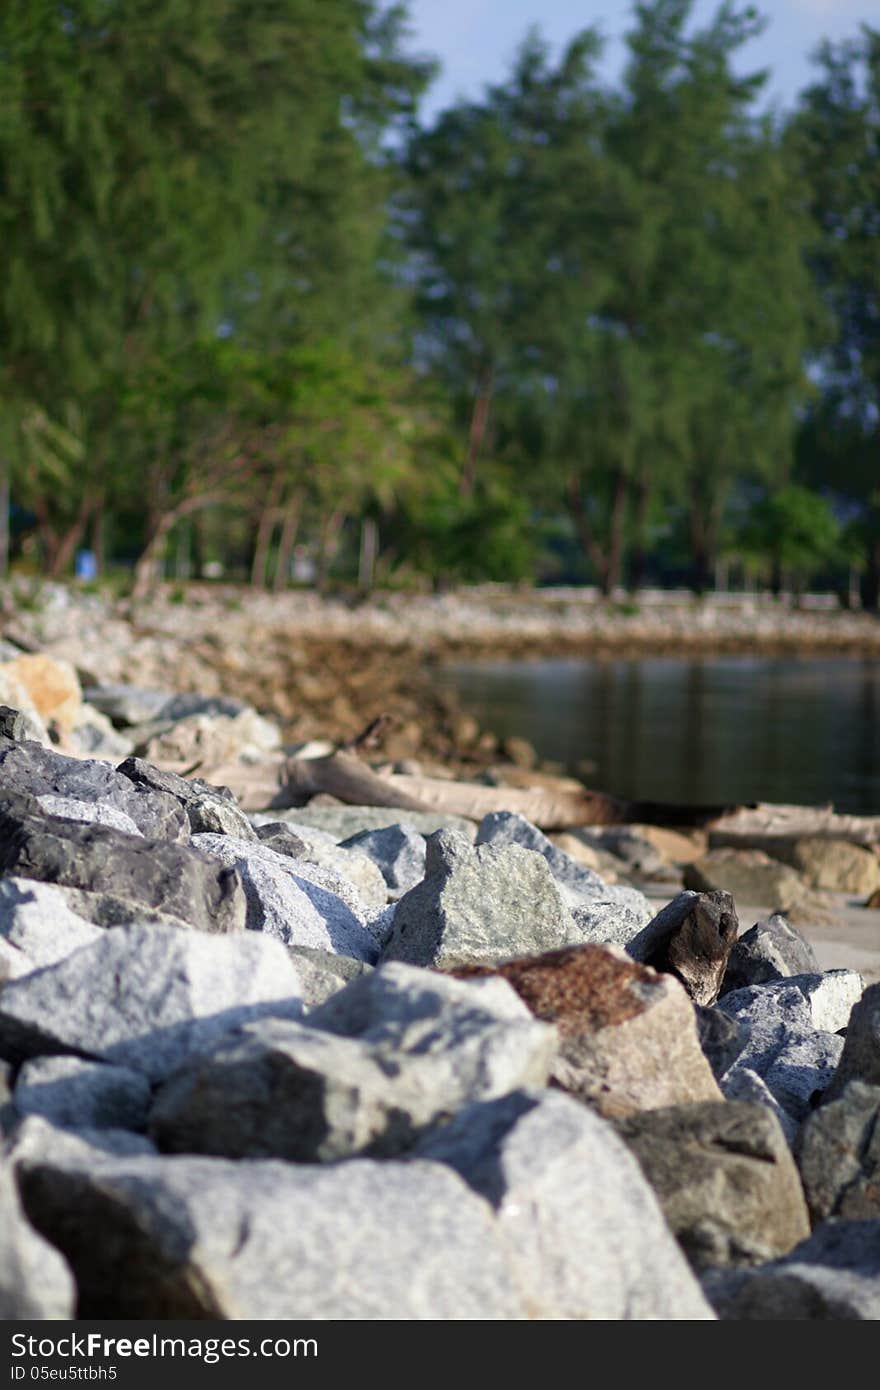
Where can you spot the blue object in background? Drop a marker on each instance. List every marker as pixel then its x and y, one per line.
pixel 86 565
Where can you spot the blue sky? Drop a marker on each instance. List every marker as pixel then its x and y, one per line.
pixel 476 39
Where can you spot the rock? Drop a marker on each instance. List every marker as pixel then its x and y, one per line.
pixel 281 1090
pixel 833 1275
pixel 477 904
pixel 721 1037
pixel 37 927
pixel 35 1282
pixel 344 821
pixel 638 854
pixel 52 685
pixel 319 979
pixel 316 847
pixel 294 901
pixel 674 846
pixel 209 738
pixel 73 1093
pixel 749 875
pixel 155 874
pixel 582 1228
pixel 770 950
pixel 149 997
pixel 860 1060
pixel 834 866
pixel 125 705
pixel 691 938
pixel 397 851
pixel 94 736
pixel 725 1179
pixel 52 780
pixel 874 900
pixel 741 1083
pixel 505 828
pixel 588 856
pixel 210 810
pixel 614 918
pixel 37 1140
pixel 16 697
pixel 22 726
pixel 212 1238
pixel 628 1038
pixel 794 1059
pixel 838 1153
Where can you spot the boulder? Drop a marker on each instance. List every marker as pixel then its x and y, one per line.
pixel 835 866
pixel 323 973
pixel 691 938
pixel 628 1037
pixel 125 705
pixel 838 1153
pixel 156 874
pixel 344 821
pixel 479 904
pixel 53 687
pixel 833 1275
pixel 93 736
pixel 860 1059
pixel 37 927
pixel 208 738
pixel 583 1231
pixel 768 951
pixel 295 901
pixel 36 1140
pixel 27 769
pixel 506 828
pixel 73 1093
pixel 742 1083
pixel 149 998
pixel 160 1238
pixel 749 875
pixel 23 726
pixel 35 1281
pixel 794 1059
pixel 278 1089
pixel 316 847
pixel 398 852
pixel 208 809
pixel 725 1178
pixel 721 1037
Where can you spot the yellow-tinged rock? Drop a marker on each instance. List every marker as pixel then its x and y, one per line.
pixel 52 685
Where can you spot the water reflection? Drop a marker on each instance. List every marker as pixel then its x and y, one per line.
pixel 705 729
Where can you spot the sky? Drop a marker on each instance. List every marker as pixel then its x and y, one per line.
pixel 475 40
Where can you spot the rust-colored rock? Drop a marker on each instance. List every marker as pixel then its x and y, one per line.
pixel 628 1037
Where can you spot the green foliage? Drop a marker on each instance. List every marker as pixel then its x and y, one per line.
pixel 795 531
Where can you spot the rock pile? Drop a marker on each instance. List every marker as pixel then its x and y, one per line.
pixel 262 1067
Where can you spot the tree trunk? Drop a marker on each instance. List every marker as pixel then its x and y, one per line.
pixel 263 543
pixel 145 566
pixel 479 421
pixel 614 566
pixel 639 565
pixel 871 577
pixel 369 551
pixel 289 529
pixel 329 545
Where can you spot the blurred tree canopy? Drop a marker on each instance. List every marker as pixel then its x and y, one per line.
pixel 251 306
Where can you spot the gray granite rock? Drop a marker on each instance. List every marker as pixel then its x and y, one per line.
pixel 344 821
pixel 201 1237
pixel 722 1038
pixel 35 1281
pixel 27 769
pixel 583 1230
pixel 306 845
pixel 794 1059
pixel 507 828
pixel 278 1089
pixel 125 705
pixel 835 1275
pixel 860 1060
pixel 149 997
pixel 725 1178
pixel 838 1153
pixel 486 903
pixel 24 726
pixel 741 1083
pixel 36 1140
pixel 37 927
pixel 209 810
pixel 294 901
pixel 93 736
pixel 613 917
pixel 156 874
pixel 399 853
pixel 769 951
pixel 77 1094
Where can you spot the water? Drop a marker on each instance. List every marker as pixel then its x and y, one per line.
pixel 713 729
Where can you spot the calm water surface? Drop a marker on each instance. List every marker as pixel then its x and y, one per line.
pixel 684 729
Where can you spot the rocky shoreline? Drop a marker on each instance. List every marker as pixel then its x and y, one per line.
pixel 354 1062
